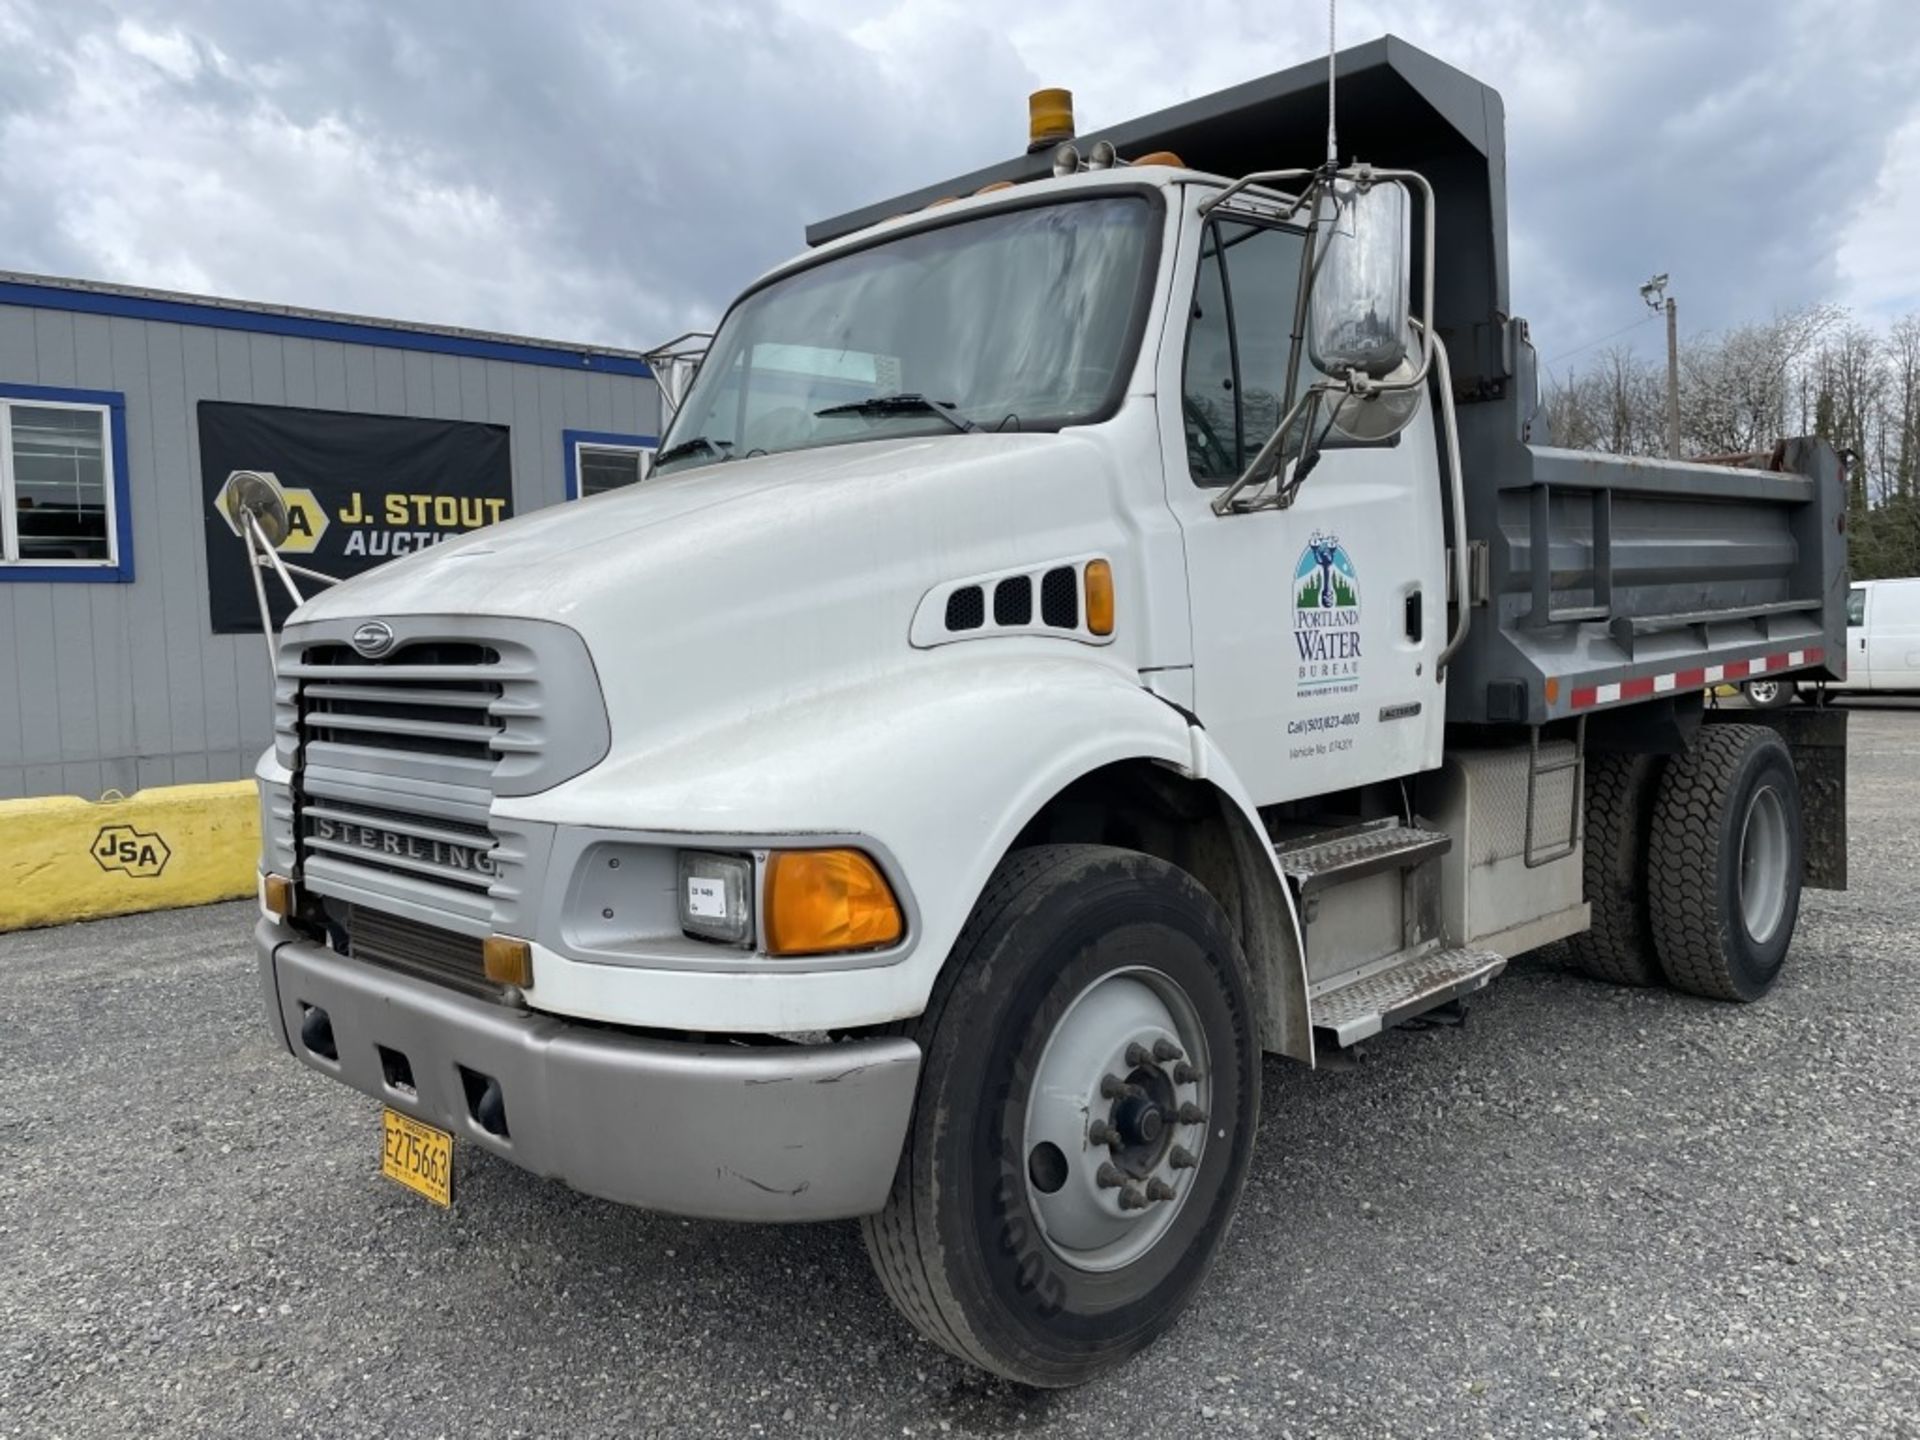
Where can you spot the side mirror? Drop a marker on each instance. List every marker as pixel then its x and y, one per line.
pixel 1359 308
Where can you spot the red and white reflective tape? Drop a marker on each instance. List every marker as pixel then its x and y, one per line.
pixel 1586 697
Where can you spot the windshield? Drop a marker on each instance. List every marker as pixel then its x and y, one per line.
pixel 1022 320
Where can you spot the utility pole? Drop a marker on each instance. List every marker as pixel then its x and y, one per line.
pixel 1654 293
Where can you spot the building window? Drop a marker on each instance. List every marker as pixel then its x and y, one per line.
pixel 598 462
pixel 605 467
pixel 63 492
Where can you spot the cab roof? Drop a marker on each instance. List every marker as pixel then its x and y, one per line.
pixel 1398 107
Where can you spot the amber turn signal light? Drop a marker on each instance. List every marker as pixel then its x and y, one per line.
pixel 508 961
pixel 820 901
pixel 1099 582
pixel 276 893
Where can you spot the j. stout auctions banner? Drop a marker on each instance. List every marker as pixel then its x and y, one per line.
pixel 361 489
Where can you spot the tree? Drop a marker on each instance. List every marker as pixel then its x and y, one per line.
pixel 1804 371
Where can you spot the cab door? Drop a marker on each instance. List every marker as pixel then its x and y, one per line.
pixel 1315 628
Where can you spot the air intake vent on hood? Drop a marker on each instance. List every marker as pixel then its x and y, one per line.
pixel 966 608
pixel 1040 600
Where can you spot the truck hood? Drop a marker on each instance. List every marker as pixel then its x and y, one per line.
pixel 742 584
pixel 557 559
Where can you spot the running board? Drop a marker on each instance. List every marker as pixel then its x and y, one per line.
pixel 1356 1009
pixel 1333 857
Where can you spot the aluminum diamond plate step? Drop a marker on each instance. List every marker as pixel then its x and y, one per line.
pixel 1333 857
pixel 1360 1008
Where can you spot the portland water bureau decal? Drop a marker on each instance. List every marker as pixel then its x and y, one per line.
pixel 1326 618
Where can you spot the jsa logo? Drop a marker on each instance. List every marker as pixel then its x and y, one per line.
pixel 140 854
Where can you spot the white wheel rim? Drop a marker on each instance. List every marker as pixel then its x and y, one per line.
pixel 1763 692
pixel 1763 864
pixel 1081 1214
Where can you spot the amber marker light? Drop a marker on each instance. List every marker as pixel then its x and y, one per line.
pixel 276 891
pixel 508 961
pixel 1099 582
pixel 821 901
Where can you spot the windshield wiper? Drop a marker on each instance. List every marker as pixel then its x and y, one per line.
pixel 697 445
pixel 902 404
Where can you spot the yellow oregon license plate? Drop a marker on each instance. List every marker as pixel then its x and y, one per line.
pixel 419 1156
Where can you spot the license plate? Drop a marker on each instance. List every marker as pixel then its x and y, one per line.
pixel 419 1156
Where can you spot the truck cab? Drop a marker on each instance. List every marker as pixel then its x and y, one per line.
pixel 1042 674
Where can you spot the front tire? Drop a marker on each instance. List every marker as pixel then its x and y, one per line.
pixel 1724 864
pixel 1087 1104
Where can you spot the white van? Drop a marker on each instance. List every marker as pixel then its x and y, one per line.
pixel 1883 644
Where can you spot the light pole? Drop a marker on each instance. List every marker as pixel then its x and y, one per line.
pixel 1654 292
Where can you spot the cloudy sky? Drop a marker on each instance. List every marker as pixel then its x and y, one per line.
pixel 612 170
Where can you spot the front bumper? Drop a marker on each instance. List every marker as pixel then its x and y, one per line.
pixel 777 1132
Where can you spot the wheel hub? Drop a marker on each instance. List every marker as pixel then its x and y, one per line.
pixel 1140 1122
pixel 1764 855
pixel 1117 1119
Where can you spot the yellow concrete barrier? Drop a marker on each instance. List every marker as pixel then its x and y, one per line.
pixel 63 858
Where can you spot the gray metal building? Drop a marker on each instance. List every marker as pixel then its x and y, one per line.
pixel 111 674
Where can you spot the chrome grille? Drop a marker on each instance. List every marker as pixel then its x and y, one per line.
pixel 398 759
pixel 430 699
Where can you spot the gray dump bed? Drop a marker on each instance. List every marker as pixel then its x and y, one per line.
pixel 1598 581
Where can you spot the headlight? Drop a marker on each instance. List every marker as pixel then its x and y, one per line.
pixel 716 896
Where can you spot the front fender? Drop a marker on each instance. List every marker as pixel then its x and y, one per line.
pixel 941 765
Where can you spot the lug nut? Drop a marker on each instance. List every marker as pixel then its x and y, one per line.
pixel 1138 1055
pixel 1182 1158
pixel 1112 1087
pixel 1101 1133
pixel 1165 1050
pixel 1158 1189
pixel 1132 1199
pixel 1192 1114
pixel 1108 1177
pixel 1184 1074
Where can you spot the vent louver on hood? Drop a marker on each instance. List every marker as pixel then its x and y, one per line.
pixel 978 607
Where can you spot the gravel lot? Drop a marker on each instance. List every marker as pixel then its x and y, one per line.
pixel 1590 1211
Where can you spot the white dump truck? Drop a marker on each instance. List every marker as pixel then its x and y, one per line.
pixel 1091 624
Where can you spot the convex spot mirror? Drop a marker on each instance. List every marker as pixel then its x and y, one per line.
pixel 1358 321
pixel 256 493
pixel 1378 414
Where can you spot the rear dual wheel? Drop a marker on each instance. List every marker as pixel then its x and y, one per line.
pixel 1724 864
pixel 1693 865
pixel 1087 1105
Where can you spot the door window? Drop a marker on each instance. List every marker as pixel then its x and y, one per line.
pixel 1238 338
pixel 1856 606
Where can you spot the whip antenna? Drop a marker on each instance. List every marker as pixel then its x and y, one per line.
pixel 1333 153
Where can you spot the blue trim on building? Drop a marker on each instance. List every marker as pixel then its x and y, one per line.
pixel 121 571
pixel 305 327
pixel 571 440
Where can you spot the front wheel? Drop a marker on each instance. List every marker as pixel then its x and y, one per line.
pixel 1086 1112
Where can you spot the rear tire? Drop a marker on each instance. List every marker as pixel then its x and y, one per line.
pixel 1724 863
pixel 998 1241
pixel 1618 948
pixel 1769 694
